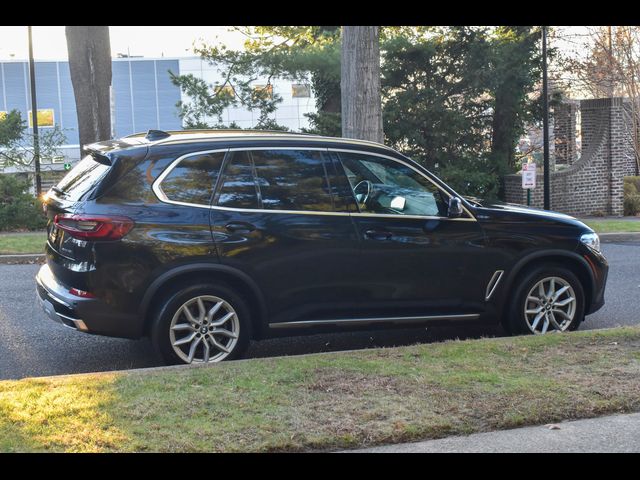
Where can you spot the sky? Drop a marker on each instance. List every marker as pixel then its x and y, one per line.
pixel 49 42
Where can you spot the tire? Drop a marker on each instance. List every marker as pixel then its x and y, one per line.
pixel 520 322
pixel 172 313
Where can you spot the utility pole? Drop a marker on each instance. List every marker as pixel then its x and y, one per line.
pixel 545 120
pixel 34 116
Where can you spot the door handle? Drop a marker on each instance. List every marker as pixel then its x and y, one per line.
pixel 240 227
pixel 378 234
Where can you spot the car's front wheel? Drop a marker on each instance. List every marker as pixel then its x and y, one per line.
pixel 548 298
pixel 201 324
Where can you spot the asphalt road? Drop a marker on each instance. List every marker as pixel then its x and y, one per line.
pixel 31 345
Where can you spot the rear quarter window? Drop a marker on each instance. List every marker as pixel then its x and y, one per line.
pixel 192 180
pixel 81 179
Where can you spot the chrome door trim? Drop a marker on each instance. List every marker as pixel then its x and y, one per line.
pixel 493 284
pixel 360 321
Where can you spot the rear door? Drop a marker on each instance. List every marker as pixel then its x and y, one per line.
pixel 277 216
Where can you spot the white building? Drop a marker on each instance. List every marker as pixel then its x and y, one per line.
pixel 297 97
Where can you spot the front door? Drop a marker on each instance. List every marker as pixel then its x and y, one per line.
pixel 415 261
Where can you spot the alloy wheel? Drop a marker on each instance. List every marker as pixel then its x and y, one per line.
pixel 204 329
pixel 550 304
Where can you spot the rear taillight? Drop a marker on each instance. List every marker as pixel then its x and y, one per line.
pixel 94 227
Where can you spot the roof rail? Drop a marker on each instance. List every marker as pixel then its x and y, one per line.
pixel 160 134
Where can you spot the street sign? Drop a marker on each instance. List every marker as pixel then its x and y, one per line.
pixel 528 175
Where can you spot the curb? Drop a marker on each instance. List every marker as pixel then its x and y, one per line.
pixel 23 259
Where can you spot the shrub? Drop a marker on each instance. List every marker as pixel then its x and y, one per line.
pixel 634 181
pixel 631 202
pixel 19 210
pixel 472 180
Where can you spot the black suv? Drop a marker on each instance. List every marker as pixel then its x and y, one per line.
pixel 207 239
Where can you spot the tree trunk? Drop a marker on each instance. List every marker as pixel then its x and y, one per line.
pixel 90 66
pixel 503 139
pixel 360 83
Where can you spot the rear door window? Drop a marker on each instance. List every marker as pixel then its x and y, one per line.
pixel 293 180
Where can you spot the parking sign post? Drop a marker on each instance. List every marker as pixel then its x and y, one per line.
pixel 528 179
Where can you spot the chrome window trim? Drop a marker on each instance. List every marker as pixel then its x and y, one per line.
pixel 242 149
pixel 157 189
pixel 357 321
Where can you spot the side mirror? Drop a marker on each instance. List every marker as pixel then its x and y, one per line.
pixel 455 207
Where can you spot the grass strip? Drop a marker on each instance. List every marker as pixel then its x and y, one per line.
pixel 329 401
pixel 22 243
pixel 614 226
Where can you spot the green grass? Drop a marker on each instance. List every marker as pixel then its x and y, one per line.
pixel 17 243
pixel 329 401
pixel 614 226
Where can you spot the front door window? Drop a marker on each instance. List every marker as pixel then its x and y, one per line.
pixel 384 186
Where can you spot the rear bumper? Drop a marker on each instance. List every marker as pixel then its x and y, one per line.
pixel 89 315
pixel 58 306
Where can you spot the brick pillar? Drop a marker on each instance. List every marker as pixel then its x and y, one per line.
pixel 621 151
pixel 564 132
pixel 610 117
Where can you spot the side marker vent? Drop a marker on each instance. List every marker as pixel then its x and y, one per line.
pixel 493 283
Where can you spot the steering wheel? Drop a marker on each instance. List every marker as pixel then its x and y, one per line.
pixel 363 197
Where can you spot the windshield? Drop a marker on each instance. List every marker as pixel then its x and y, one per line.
pixel 81 179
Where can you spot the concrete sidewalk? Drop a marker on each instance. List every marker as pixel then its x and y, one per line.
pixel 617 433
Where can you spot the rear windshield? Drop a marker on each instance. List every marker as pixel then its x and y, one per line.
pixel 81 179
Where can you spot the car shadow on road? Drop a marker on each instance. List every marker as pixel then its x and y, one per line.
pixel 333 342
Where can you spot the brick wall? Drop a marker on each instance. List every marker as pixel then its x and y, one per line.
pixel 564 132
pixel 593 183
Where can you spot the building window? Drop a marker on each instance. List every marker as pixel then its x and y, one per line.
pixel 263 91
pixel 46 118
pixel 226 91
pixel 300 90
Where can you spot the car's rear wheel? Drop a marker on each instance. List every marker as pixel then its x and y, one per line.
pixel 548 298
pixel 201 324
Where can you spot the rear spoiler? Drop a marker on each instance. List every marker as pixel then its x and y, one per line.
pixel 98 156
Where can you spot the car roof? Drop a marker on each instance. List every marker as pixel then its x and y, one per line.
pixel 173 137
